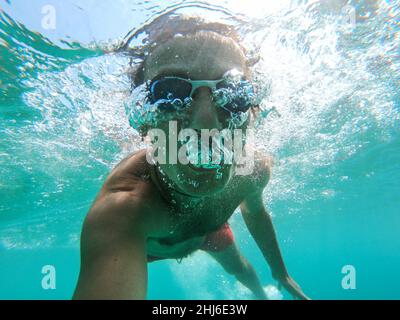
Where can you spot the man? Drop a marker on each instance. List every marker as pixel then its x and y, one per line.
pixel 146 211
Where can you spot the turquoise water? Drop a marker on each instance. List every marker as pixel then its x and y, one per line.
pixel 330 69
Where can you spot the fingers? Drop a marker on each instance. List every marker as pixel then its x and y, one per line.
pixel 293 289
pixel 301 296
pixel 304 297
pixel 296 292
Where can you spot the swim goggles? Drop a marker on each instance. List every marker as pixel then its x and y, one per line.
pixel 232 93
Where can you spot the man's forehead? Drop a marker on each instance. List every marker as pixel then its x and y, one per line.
pixel 204 58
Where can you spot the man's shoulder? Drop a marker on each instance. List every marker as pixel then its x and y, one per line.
pixel 263 164
pixel 129 173
pixel 260 175
pixel 128 191
pixel 134 164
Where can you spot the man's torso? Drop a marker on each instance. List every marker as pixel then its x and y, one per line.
pixel 179 229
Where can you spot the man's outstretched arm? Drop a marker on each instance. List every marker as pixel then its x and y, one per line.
pixel 260 225
pixel 113 252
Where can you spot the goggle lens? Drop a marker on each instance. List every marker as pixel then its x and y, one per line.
pixel 232 96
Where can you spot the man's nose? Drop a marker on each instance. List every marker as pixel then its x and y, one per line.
pixel 204 115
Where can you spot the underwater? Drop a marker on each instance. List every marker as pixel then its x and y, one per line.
pixel 327 78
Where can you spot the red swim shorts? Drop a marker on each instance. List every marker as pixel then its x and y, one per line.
pixel 215 241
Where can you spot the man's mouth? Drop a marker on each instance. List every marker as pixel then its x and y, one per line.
pixel 205 167
pixel 205 163
pixel 210 158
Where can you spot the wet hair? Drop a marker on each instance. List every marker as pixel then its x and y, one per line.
pixel 165 28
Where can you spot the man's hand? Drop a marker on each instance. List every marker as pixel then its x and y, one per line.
pixel 292 287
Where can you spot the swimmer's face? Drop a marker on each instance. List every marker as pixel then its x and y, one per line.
pixel 197 58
